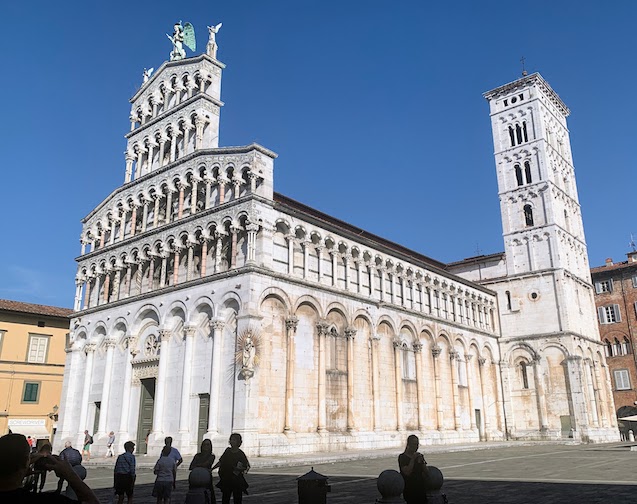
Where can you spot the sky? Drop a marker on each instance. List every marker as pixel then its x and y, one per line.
pixel 375 109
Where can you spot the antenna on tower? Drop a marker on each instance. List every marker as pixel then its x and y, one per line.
pixel 524 72
pixel 631 244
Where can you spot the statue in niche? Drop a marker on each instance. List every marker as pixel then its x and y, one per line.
pixel 211 48
pixel 182 35
pixel 247 355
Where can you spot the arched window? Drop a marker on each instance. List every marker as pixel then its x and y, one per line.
pixel 508 294
pixel 608 348
pixel 528 215
pixel 512 136
pixel 526 136
pixel 527 172
pixel 518 175
pixel 626 346
pixel 524 375
pixel 617 349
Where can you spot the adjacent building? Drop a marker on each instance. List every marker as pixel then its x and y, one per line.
pixel 32 343
pixel 616 302
pixel 208 303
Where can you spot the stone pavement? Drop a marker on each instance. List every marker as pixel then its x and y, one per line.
pixel 520 473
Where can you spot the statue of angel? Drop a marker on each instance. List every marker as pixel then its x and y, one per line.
pixel 249 353
pixel 147 73
pixel 182 35
pixel 211 48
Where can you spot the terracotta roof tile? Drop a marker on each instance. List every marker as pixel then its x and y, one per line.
pixel 35 309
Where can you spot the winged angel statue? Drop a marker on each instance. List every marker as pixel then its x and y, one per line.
pixel 182 35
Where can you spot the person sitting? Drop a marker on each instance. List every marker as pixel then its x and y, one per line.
pixel 14 464
pixel 205 459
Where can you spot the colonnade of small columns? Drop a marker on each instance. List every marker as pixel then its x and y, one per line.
pixel 168 203
pixel 177 139
pixel 168 94
pixel 179 261
pixel 399 286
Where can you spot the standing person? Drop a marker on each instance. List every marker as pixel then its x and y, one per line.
pixel 413 469
pixel 14 464
pixel 40 469
pixel 124 473
pixel 72 456
pixel 205 459
pixel 166 471
pixel 109 444
pixel 88 441
pixel 232 466
pixel 174 452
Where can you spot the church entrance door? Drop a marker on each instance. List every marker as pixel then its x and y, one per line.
pixel 146 407
pixel 204 411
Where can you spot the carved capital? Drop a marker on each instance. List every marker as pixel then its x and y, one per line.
pixel 468 357
pixel 322 327
pixel 291 323
pixel 164 334
pixel 397 343
pixel 217 324
pixel 189 331
pixel 417 346
pixel 109 343
pixel 436 351
pixel 453 355
pixel 350 332
pixel 481 361
pixel 89 348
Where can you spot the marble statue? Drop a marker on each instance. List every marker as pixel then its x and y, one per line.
pixel 211 48
pixel 182 35
pixel 147 73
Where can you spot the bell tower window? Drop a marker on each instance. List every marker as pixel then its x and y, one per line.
pixel 527 172
pixel 528 215
pixel 512 136
pixel 518 175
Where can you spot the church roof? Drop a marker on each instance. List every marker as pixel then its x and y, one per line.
pixel 34 309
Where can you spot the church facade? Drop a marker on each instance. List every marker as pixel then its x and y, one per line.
pixel 207 303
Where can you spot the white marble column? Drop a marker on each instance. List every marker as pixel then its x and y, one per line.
pixel 89 349
pixel 160 389
pixel 290 239
pixel 485 400
pixel 106 387
pixel 184 411
pixel 453 359
pixel 215 377
pixel 291 324
pixel 306 258
pixel 350 334
pixel 420 385
pixel 470 390
pixel 539 390
pixel 373 341
pixel 322 413
pixel 435 352
pixel 398 379
pixel 129 352
pixel 252 230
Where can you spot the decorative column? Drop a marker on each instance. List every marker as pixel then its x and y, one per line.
pixel 601 403
pixel 413 294
pixel 130 158
pixel 573 366
pixel 180 208
pixel 106 387
pixel 374 341
pixel 346 258
pixel 199 125
pixel 184 411
pixel 204 255
pixel 319 258
pixel 291 324
pixel 77 301
pixel 160 389
pixel 252 230
pixel 133 221
pixel 420 383
pixel 117 280
pixel 350 333
pixel 470 390
pixel 176 265
pixel 370 271
pixel 290 239
pixel 162 272
pixel 173 142
pixel 129 352
pixel 359 273
pixel 322 413
pixel 89 350
pixel 169 205
pixel 193 195
pixel 306 256
pixel 485 404
pixel 233 246
pixel 107 283
pixel 422 297
pixel 129 274
pixel 334 268
pixel 208 189
pixel 215 376
pixel 162 149
pixel 218 246
pixel 401 282
pixel 435 352
pixel 253 182
pixel 189 264
pixel 381 276
pixel 237 188
pixel 592 395
pixel 398 380
pixel 392 284
pixel 453 358
pixel 157 197
pixel 221 183
pixel 539 390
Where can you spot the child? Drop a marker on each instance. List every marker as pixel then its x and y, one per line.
pixel 232 466
pixel 166 471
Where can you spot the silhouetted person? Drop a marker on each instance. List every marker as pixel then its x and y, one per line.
pixel 205 459
pixel 174 452
pixel 39 468
pixel 413 469
pixel 124 473
pixel 233 464
pixel 72 456
pixel 14 464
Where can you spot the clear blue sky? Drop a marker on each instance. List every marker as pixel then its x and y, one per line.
pixel 375 109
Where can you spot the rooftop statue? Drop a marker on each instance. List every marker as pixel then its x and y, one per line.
pixel 211 48
pixel 182 35
pixel 147 73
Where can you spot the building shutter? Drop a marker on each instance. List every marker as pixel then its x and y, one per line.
pixel 598 287
pixel 601 315
pixel 618 316
pixel 610 285
pixel 635 281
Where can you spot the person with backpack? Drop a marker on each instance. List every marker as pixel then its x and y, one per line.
pixel 86 449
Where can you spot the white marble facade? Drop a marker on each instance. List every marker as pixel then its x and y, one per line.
pixel 206 303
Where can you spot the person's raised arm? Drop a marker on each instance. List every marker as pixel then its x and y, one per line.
pixel 64 470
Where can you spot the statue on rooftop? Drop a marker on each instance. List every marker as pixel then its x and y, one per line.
pixel 147 73
pixel 211 48
pixel 182 35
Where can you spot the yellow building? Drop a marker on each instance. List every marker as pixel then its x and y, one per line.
pixel 32 342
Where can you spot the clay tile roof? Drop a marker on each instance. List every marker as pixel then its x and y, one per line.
pixel 34 309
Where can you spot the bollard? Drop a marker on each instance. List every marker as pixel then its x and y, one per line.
pixel 433 485
pixel 199 486
pixel 313 488
pixel 390 484
pixel 631 436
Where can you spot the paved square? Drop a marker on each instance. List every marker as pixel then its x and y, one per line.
pixel 528 474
